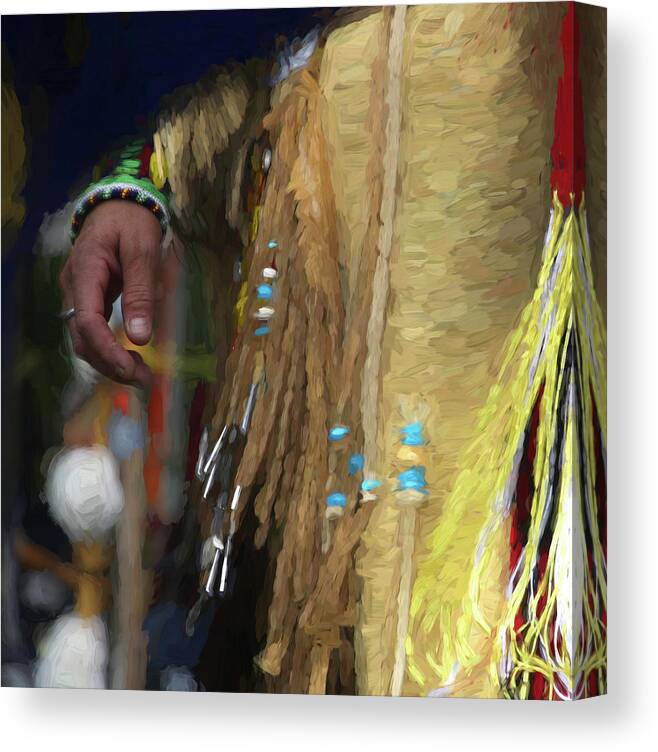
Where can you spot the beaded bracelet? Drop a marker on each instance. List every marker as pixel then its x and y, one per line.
pixel 125 187
pixel 128 182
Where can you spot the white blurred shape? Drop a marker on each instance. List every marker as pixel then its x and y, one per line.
pixel 73 654
pixel 84 492
pixel 54 237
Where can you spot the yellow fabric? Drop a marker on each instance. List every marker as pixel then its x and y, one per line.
pixel 157 171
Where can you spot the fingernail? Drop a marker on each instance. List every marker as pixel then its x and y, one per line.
pixel 138 327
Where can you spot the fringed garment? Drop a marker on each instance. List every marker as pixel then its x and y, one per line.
pixel 407 196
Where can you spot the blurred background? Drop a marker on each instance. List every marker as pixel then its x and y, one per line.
pixel 73 86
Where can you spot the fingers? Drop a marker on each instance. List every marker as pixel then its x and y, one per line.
pixel 85 282
pixel 93 337
pixel 139 255
pixel 142 373
pixel 138 373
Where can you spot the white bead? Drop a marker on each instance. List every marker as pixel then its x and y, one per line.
pixel 368 496
pixel 84 492
pixel 269 273
pixel 264 314
pixel 73 654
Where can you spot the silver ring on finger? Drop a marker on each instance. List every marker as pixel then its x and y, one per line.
pixel 67 315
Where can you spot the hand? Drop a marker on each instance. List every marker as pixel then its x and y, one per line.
pixel 116 251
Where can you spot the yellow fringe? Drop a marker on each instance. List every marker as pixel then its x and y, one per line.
pixel 449 612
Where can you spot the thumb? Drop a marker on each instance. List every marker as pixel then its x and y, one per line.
pixel 138 267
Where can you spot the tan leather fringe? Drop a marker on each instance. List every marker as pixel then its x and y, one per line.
pixel 314 375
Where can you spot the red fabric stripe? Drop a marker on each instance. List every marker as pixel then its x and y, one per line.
pixel 568 150
pixel 524 491
pixel 145 160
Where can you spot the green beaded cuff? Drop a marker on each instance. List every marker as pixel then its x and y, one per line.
pixel 125 187
pixel 128 182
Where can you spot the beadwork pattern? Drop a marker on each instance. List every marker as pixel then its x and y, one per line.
pixel 122 187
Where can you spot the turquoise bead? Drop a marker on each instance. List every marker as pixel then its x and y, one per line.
pixel 338 432
pixel 264 292
pixel 336 500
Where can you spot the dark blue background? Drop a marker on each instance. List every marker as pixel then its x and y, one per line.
pixel 131 61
